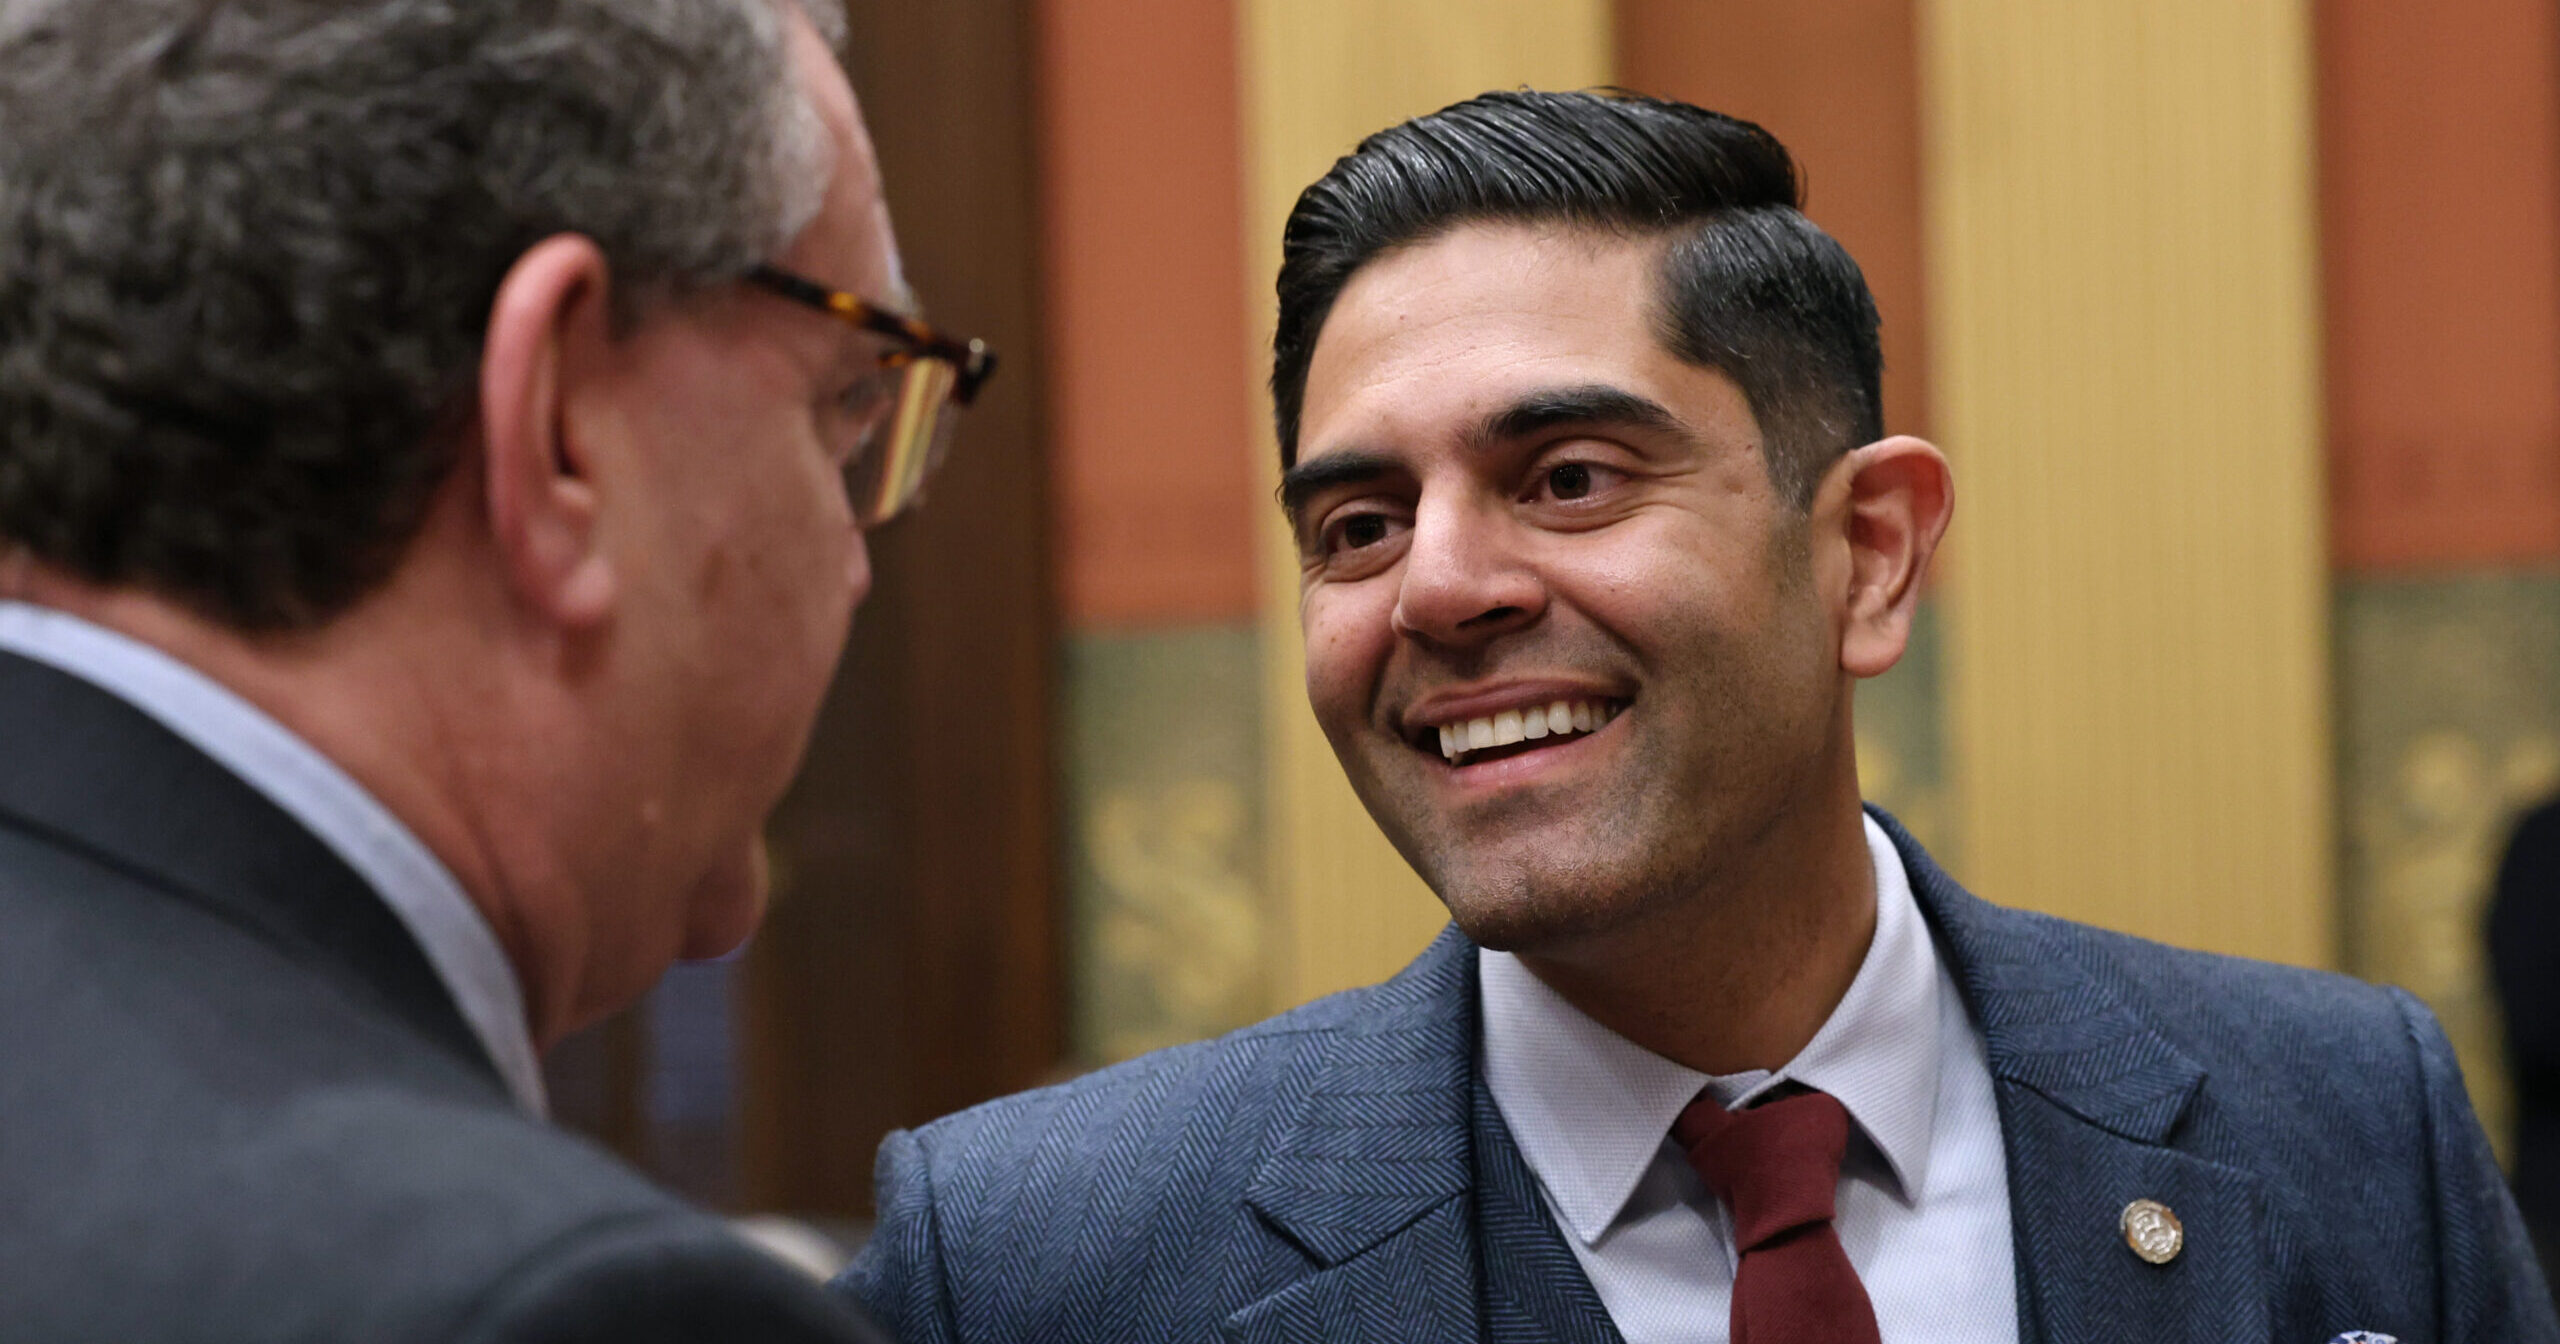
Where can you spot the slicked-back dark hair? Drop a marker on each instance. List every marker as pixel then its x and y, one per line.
pixel 1749 286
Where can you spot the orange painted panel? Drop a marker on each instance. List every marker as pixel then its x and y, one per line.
pixel 2440 222
pixel 1150 418
pixel 1838 82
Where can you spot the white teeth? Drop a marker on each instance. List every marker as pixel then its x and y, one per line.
pixel 1555 719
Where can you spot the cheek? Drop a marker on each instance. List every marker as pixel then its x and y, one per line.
pixel 801 514
pixel 790 565
pixel 823 573
pixel 1348 636
pixel 1658 595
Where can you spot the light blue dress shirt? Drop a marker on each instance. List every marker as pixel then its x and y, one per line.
pixel 450 930
pixel 1923 1208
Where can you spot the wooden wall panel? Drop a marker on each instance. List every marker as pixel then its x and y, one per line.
pixel 2127 358
pixel 911 964
pixel 1142 217
pixel 1838 82
pixel 1319 75
pixel 2440 210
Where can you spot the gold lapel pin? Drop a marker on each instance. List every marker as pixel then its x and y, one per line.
pixel 2153 1231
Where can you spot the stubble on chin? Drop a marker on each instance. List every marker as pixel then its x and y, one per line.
pixel 1549 894
pixel 1561 911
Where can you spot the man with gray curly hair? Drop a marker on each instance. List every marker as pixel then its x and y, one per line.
pixel 436 443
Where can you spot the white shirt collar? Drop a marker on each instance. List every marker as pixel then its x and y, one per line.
pixel 1591 1109
pixel 452 933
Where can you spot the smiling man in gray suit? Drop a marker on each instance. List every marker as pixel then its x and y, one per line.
pixel 436 441
pixel 1598 528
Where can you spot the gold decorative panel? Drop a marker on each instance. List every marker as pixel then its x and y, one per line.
pixel 2448 728
pixel 1164 839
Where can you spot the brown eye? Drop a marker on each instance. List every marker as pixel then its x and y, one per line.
pixel 1358 540
pixel 1571 480
pixel 1367 529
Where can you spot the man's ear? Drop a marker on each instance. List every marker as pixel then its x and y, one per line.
pixel 552 316
pixel 1900 495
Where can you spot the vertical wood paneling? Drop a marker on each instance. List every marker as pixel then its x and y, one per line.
pixel 2126 351
pixel 1142 212
pixel 2440 215
pixel 1319 75
pixel 911 964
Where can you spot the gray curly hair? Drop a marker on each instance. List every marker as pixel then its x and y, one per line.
pixel 248 250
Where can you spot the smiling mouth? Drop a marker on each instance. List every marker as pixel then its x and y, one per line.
pixel 1516 731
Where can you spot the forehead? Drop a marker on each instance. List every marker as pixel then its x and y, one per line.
pixel 1430 338
pixel 849 243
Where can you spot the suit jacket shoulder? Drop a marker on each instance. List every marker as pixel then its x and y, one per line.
pixel 2055 995
pixel 2311 1132
pixel 1160 1198
pixel 1306 1178
pixel 236 1104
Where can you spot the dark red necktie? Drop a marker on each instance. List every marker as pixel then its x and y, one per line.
pixel 1776 1166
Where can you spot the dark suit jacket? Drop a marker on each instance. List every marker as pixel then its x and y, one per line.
pixel 2524 958
pixel 237 1105
pixel 1340 1173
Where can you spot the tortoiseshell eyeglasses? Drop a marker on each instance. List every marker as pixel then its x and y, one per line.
pixel 907 409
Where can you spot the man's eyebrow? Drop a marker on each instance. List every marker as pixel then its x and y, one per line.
pixel 1532 414
pixel 1308 479
pixel 1587 404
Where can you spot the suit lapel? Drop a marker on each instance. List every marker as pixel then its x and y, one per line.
pixel 85 770
pixel 2091 1096
pixel 1397 1179
pixel 1534 1289
pixel 2077 1277
pixel 1368 1174
pixel 1371 1175
pixel 1416 1284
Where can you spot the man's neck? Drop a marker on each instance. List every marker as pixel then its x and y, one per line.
pixel 1741 975
pixel 398 719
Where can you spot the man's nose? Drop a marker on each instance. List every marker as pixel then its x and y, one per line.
pixel 857 570
pixel 1467 577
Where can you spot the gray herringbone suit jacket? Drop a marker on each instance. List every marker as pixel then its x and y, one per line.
pixel 1340 1173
